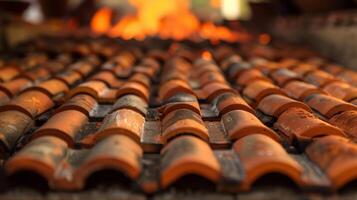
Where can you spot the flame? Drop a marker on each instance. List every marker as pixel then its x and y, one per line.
pixel 164 18
pixel 101 21
pixel 206 55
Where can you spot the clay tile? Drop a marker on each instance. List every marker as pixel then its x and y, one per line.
pixel 198 63
pixel 211 77
pixel 33 103
pixel 300 90
pixel 346 121
pixel 82 67
pixel 289 63
pixel 132 102
pixel 8 73
pixel 354 102
pixel 65 125
pixel 187 155
pixel 284 76
pixel 115 152
pixel 327 105
pixel 341 90
pixel 275 105
pixel 333 68
pixel 212 90
pixel 260 155
pixel 71 77
pixel 82 102
pixel 303 69
pixel 230 61
pixel 239 123
pixel 236 70
pixel 336 156
pixel 134 88
pixel 123 122
pixel 13 124
pixel 172 87
pixel 150 63
pixel 299 123
pixel 319 78
pixel 36 74
pixel 208 68
pixel 13 87
pixel 108 78
pixel 141 79
pixel 51 87
pixel 4 98
pixel 249 76
pixel 93 88
pixel 349 76
pixel 183 122
pixel 227 102
pixel 259 89
pixel 267 68
pixel 180 101
pixel 145 70
pixel 41 156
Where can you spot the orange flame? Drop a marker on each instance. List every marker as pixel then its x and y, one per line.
pixel 166 19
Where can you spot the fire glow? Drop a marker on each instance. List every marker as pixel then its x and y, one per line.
pixel 166 19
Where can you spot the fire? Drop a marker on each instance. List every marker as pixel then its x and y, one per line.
pixel 167 19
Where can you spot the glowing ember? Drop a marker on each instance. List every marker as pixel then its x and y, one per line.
pixel 206 55
pixel 167 19
pixel 264 39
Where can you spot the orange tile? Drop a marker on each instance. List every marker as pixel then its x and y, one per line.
pixel 328 106
pixel 259 89
pixel 70 77
pixel 117 152
pixel 239 123
pixel 227 102
pixel 134 88
pixel 213 90
pixel 341 90
pixel 249 76
pixel 284 76
pixel 183 122
pixel 260 155
pixel 300 90
pixel 8 73
pixel 13 124
pixel 64 125
pixel 336 156
pixel 82 102
pixel 298 123
pixel 172 87
pixel 319 78
pixel 32 103
pixel 15 86
pixel 123 122
pixel 275 105
pixel 131 102
pixel 108 78
pixel 51 87
pixel 93 88
pixel 346 121
pixel 188 155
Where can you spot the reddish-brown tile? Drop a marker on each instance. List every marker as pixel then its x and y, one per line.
pixel 341 90
pixel 227 102
pixel 275 105
pixel 211 77
pixel 82 102
pixel 108 78
pixel 172 87
pixel 15 86
pixel 180 101
pixel 183 122
pixel 51 87
pixel 299 123
pixel 300 90
pixel 70 78
pixel 239 123
pixel 346 121
pixel 134 88
pixel 349 76
pixel 237 69
pixel 336 156
pixel 333 68
pixel 229 61
pixel 304 69
pixel 249 76
pixel 212 90
pixel 36 74
pixel 328 106
pixel 141 79
pixel 131 102
pixel 33 103
pixel 187 155
pixel 354 102
pixel 93 88
pixel 284 76
pixel 123 122
pixel 64 125
pixel 13 124
pixel 4 98
pixel 259 89
pixel 8 73
pixel 117 152
pixel 82 67
pixel 260 155
pixel 41 156
pixel 319 78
